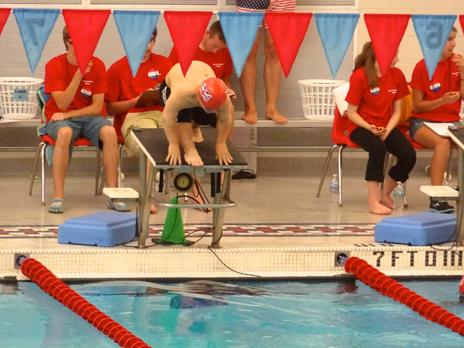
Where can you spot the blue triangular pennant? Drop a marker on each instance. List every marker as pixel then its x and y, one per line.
pixel 35 27
pixel 336 31
pixel 135 29
pixel 240 32
pixel 432 32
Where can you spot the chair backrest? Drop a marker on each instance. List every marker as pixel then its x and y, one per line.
pixel 42 99
pixel 340 123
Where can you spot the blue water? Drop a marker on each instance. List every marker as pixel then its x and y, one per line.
pixel 210 314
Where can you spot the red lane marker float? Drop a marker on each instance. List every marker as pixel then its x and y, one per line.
pixel 391 288
pixel 60 291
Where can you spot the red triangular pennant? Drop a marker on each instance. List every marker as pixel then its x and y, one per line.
pixel 186 29
pixel 4 13
pixel 85 28
pixel 386 32
pixel 461 20
pixel 288 31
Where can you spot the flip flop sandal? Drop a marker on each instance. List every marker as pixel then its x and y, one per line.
pixel 56 207
pixel 118 206
pixel 244 174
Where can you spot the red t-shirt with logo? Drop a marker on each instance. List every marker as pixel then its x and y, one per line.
pixel 375 105
pixel 446 78
pixel 124 86
pixel 220 61
pixel 58 75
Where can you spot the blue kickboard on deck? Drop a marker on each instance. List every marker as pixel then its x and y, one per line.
pixel 417 229
pixel 99 229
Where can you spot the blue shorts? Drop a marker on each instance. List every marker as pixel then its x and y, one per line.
pixel 88 127
pixel 416 123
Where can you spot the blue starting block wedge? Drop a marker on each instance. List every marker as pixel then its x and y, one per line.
pixel 100 229
pixel 417 229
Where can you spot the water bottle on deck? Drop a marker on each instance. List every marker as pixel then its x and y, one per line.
pixel 398 196
pixel 333 185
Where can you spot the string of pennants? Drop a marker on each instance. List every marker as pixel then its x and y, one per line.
pixel 187 27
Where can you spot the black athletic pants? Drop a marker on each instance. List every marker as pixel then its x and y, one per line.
pixel 396 144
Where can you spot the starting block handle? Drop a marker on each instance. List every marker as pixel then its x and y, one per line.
pixel 212 205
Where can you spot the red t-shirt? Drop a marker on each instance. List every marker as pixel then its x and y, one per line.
pixel 58 75
pixel 375 105
pixel 220 61
pixel 124 86
pixel 446 78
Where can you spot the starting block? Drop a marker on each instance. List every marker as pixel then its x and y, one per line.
pixel 417 229
pixel 99 229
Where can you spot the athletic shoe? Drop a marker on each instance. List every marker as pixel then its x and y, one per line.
pixel 441 207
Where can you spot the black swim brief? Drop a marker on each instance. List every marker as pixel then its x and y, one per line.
pixel 197 115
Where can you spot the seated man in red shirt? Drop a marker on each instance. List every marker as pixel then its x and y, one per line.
pixel 75 110
pixel 123 96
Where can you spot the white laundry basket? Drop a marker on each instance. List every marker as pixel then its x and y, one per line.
pixel 317 98
pixel 18 100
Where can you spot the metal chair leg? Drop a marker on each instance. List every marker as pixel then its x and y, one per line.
pixel 325 169
pixel 42 172
pixel 340 174
pixel 119 164
pixel 97 173
pixel 34 166
pixel 448 168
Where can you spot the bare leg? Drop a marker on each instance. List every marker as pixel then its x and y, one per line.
pixel 61 160
pixel 197 137
pixel 191 154
pixel 388 186
pixel 248 85
pixel 441 147
pixel 110 155
pixel 373 195
pixel 272 77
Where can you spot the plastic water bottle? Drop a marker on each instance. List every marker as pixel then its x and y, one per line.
pixel 398 196
pixel 333 186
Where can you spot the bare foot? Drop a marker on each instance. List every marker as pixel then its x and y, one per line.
pixel 277 117
pixel 197 137
pixel 379 209
pixel 250 117
pixel 193 158
pixel 388 202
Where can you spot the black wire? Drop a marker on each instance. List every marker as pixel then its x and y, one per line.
pixel 229 268
pixel 453 245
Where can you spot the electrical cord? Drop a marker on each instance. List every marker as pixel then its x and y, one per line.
pixel 230 268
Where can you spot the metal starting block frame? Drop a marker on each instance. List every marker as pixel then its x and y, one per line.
pixel 154 145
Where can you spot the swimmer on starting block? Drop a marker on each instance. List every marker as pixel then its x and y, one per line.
pixel 198 98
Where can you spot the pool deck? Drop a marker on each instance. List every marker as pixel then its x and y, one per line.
pixel 273 248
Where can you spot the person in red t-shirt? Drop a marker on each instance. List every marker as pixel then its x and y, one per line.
pixel 437 100
pixel 74 110
pixel 213 51
pixel 374 108
pixel 123 96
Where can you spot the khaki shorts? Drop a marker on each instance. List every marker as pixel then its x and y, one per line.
pixel 147 119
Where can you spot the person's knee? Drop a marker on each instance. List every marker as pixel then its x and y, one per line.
pixel 443 146
pixel 270 51
pixel 63 136
pixel 108 135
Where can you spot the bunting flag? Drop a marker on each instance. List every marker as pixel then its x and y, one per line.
pixel 186 29
pixel 432 32
pixel 85 28
pixel 240 30
pixel 35 27
pixel 336 31
pixel 135 29
pixel 4 14
pixel 386 32
pixel 287 31
pixel 461 20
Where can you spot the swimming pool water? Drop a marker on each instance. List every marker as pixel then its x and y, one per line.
pixel 212 314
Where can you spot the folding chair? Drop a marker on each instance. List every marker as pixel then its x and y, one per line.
pixel 46 142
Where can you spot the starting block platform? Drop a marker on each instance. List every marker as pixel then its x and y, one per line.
pixel 99 229
pixel 417 229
